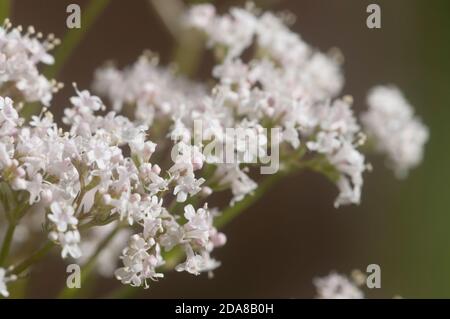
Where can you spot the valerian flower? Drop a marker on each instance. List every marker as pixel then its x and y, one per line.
pixel 62 216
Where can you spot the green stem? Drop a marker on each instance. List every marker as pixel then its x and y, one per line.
pixel 7 243
pixel 87 271
pixel 189 52
pixel 74 36
pixel 5 10
pixel 35 257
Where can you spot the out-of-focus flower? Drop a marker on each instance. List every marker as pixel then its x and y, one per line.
pixel 20 55
pixel 396 132
pixel 4 279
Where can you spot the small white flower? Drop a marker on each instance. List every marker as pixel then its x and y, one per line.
pixel 326 142
pixel 290 134
pixel 143 150
pixel 241 184
pixel 34 187
pixel 86 102
pixel 62 216
pixel 197 263
pixel 187 185
pixel 201 16
pixel 198 225
pixel 70 241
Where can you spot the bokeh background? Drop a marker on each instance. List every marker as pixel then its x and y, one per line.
pixel 294 233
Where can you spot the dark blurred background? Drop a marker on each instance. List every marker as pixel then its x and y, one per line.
pixel 294 234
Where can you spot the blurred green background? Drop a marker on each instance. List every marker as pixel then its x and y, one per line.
pixel 294 233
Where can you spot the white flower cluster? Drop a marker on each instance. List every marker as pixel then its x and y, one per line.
pixel 20 55
pixel 390 121
pixel 287 85
pixel 143 254
pixel 336 286
pixel 82 177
